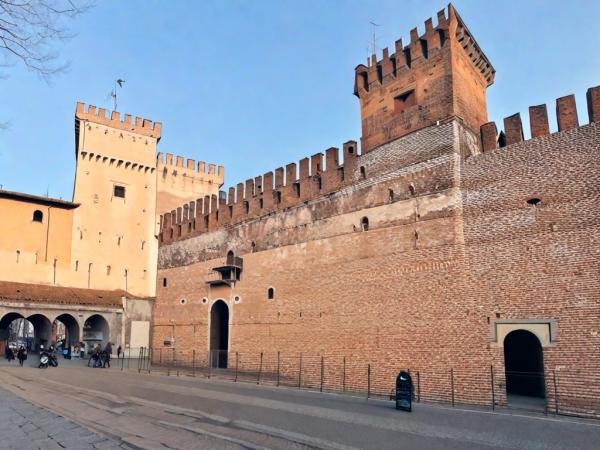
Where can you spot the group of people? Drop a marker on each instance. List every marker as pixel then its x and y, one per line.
pixel 21 354
pixel 101 357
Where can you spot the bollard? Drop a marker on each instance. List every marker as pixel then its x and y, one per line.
pixel 209 363
pixel 418 387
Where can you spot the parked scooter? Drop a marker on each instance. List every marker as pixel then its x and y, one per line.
pixel 44 360
pixel 47 359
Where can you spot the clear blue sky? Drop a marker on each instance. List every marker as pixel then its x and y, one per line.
pixel 253 85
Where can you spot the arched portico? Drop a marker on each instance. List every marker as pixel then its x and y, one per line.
pixel 72 330
pixel 42 328
pixel 96 331
pixel 219 334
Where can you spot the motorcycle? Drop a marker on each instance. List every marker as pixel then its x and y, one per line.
pixel 52 360
pixel 44 360
pixel 47 359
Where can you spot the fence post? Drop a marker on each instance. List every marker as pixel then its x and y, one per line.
pixel 194 363
pixel 209 363
pixel 493 391
pixel 322 373
pixel 140 357
pixel 260 368
pixel 236 366
pixel 150 355
pixel 300 373
pixel 344 375
pixel 160 356
pixel 555 392
pixel 368 381
pixel 452 384
pixel 418 387
pixel 122 361
pixel 278 368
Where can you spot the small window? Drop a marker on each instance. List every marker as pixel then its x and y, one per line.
pixel 107 270
pixel 351 150
pixel 533 201
pixel 183 301
pixel 119 191
pixel 76 266
pixel 363 172
pixel 38 216
pixel 270 293
pixel 164 282
pixel 404 101
pixel 278 197
pixel 364 224
pixel 205 300
pixel 18 255
pixel 391 195
pixel 237 299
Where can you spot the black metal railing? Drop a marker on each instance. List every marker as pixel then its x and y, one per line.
pixel 567 392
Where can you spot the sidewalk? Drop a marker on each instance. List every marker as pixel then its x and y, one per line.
pixel 24 426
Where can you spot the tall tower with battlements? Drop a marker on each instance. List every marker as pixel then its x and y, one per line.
pixel 122 186
pixel 439 75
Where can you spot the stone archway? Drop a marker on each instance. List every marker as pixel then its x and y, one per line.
pixel 72 333
pixel 18 332
pixel 96 331
pixel 524 364
pixel 219 334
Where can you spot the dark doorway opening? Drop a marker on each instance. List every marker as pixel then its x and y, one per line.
pixel 524 364
pixel 219 334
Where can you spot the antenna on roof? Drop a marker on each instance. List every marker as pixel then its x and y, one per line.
pixel 113 94
pixel 374 41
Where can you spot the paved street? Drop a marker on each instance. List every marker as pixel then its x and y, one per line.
pixel 25 426
pixel 156 411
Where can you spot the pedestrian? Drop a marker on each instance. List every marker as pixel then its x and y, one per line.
pixel 10 355
pixel 22 355
pixel 107 353
pixel 119 349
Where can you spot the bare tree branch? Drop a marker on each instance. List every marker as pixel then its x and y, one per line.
pixel 29 28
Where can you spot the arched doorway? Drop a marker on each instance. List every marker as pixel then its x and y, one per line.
pixel 95 332
pixel 524 364
pixel 65 331
pixel 31 332
pixel 219 334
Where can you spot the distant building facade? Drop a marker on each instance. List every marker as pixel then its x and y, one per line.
pixel 443 247
pixel 102 245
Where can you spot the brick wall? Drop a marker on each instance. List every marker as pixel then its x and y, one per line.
pixel 455 249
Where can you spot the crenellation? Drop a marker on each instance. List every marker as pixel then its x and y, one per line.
pixel 566 117
pixel 566 113
pixel 538 121
pixel 513 129
pixel 593 104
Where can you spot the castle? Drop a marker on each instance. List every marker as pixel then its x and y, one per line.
pixel 466 255
pixel 90 263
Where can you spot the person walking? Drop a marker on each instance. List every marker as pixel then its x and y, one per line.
pixel 10 355
pixel 119 349
pixel 22 355
pixel 107 353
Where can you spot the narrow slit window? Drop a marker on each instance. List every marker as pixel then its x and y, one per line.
pixel 38 216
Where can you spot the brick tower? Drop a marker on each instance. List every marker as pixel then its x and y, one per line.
pixel 440 74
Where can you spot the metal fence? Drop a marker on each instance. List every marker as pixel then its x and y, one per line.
pixel 566 392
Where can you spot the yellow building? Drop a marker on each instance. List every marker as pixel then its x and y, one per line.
pixel 105 239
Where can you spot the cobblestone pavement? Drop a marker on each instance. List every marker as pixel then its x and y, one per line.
pixel 186 413
pixel 24 426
